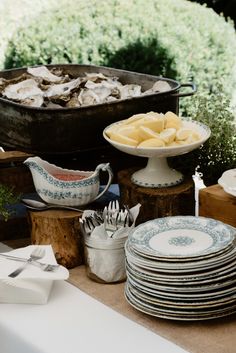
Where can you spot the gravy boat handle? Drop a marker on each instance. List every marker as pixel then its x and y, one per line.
pixel 105 167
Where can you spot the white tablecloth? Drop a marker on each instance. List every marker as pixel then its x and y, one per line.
pixel 73 322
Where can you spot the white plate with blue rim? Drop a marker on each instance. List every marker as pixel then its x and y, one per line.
pixel 184 315
pixel 191 296
pixel 179 266
pixel 184 304
pixel 182 237
pixel 185 288
pixel 207 277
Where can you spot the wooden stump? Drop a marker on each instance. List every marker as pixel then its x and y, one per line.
pixel 156 202
pixel 215 203
pixel 14 173
pixel 61 229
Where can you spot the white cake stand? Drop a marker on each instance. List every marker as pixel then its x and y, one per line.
pixel 157 173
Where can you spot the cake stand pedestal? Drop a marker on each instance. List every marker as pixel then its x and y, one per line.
pixel 156 202
pixel 157 174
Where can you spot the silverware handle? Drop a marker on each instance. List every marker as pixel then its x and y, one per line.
pixel 18 271
pixel 34 262
pixel 50 206
pixel 16 258
pixel 66 208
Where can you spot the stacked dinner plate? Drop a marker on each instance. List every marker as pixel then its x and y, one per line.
pixel 182 268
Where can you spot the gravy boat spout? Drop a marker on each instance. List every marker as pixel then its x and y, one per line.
pixel 60 186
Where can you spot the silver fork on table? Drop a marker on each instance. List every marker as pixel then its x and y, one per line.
pixel 37 254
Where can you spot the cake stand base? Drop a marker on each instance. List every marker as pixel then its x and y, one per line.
pixel 157 174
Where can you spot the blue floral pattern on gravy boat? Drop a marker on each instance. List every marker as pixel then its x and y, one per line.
pixel 68 193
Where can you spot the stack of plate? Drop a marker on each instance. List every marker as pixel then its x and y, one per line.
pixel 182 268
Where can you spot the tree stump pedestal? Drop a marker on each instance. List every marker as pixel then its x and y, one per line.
pixel 61 229
pixel 215 203
pixel 156 202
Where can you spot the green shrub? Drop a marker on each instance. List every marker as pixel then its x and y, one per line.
pixel 218 153
pixel 178 39
pixel 18 13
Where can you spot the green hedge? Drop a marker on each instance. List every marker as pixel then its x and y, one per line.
pixel 177 39
pixel 18 13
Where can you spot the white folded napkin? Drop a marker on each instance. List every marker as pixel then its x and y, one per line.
pixel 32 285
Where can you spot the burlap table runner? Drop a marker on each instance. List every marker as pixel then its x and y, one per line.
pixel 211 336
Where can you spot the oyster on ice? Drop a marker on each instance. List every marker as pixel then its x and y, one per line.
pixel 101 90
pixel 129 91
pixel 159 86
pixel 73 102
pixel 62 89
pixel 56 88
pixel 94 77
pixel 43 73
pixel 88 97
pixel 33 101
pixel 22 90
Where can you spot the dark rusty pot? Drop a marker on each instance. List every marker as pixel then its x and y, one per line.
pixel 69 130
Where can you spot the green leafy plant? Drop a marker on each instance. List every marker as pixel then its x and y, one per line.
pixel 7 198
pixel 219 152
pixel 16 14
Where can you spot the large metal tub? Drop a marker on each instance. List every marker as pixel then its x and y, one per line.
pixel 69 130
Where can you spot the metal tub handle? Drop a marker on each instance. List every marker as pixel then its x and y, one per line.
pixel 190 84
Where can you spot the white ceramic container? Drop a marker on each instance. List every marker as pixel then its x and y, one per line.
pixel 157 173
pixel 50 186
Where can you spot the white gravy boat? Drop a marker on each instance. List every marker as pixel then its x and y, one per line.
pixel 59 186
